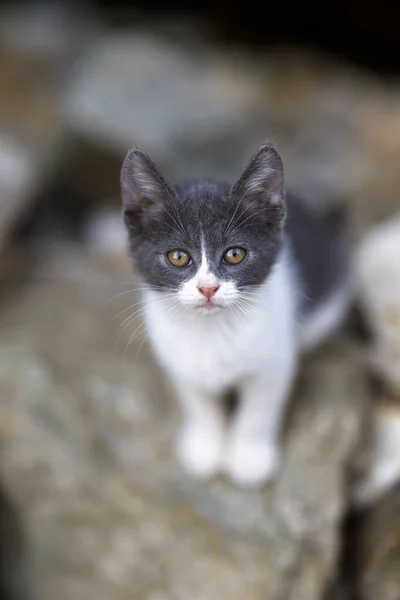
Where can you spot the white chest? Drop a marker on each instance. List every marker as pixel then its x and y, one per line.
pixel 215 351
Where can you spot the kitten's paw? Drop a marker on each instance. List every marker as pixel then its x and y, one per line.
pixel 251 462
pixel 200 450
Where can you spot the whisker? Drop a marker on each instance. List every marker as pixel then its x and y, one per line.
pixel 127 325
pixel 141 289
pixel 293 310
pixel 136 333
pixel 298 293
pixel 241 223
pixel 258 288
pixel 230 224
pixel 234 213
pixel 126 309
pixel 178 216
pixel 178 223
pixel 246 307
pixel 140 347
pixel 141 330
pixel 236 311
pixel 274 309
pixel 170 295
pixel 174 229
pixel 139 312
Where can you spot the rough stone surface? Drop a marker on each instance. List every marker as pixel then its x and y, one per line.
pixel 378 283
pixel 379 547
pixel 87 435
pixel 378 468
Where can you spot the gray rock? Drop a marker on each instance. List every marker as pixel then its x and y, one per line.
pixel 87 434
pixel 38 42
pixel 379 466
pixel 14 582
pixel 376 274
pixel 29 139
pixel 201 111
pixel 189 106
pixel 379 547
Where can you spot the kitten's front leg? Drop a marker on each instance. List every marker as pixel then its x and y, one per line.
pixel 201 440
pixel 252 452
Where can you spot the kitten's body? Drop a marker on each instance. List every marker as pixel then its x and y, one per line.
pixel 262 313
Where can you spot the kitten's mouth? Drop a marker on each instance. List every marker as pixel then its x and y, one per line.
pixel 209 306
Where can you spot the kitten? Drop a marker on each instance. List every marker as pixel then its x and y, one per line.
pixel 238 282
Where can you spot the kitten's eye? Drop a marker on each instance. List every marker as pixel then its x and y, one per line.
pixel 234 256
pixel 179 258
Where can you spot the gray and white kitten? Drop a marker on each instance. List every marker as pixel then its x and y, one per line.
pixel 238 282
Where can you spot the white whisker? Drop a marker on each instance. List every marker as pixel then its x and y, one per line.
pixel 156 288
pixel 258 212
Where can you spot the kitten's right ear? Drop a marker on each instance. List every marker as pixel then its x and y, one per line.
pixel 261 187
pixel 143 190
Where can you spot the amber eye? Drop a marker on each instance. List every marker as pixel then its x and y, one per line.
pixel 179 258
pixel 234 256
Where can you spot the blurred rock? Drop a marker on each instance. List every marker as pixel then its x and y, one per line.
pixel 378 285
pixel 38 42
pixel 380 470
pixel 48 31
pixel 104 232
pixel 30 138
pixel 88 432
pixel 190 106
pixel 379 547
pixel 201 110
pixel 14 583
pixel 16 181
pixel 337 126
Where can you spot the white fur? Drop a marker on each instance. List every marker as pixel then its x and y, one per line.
pixel 253 347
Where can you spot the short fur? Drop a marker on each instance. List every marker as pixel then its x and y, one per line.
pixel 250 333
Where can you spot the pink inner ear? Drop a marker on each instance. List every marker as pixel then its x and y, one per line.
pixel 263 176
pixel 141 180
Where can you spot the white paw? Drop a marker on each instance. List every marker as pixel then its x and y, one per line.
pixel 251 462
pixel 200 450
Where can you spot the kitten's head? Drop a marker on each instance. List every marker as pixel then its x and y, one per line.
pixel 207 242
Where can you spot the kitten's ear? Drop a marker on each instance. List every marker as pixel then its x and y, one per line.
pixel 262 183
pixel 143 189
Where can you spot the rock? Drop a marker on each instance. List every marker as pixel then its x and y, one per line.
pixel 200 110
pixel 14 580
pixel 380 469
pixel 28 138
pixel 379 548
pixel 88 432
pixel 104 232
pixel 38 42
pixel 48 31
pixel 377 268
pixel 188 105
pixel 16 179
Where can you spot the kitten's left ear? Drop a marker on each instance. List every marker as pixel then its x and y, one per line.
pixel 144 190
pixel 262 183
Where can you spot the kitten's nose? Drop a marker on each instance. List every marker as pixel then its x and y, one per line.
pixel 208 291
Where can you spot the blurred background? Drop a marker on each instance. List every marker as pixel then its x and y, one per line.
pixel 94 505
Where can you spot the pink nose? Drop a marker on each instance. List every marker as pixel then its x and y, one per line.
pixel 208 292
